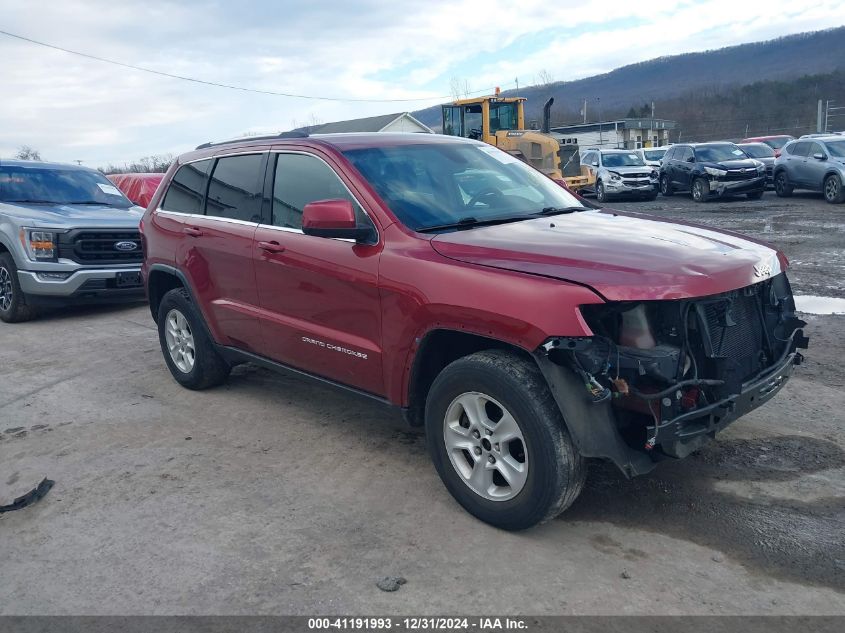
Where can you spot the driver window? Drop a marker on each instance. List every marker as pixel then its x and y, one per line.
pixel 472 122
pixel 301 179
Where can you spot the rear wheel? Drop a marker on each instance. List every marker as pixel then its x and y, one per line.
pixel 13 306
pixel 700 190
pixel 188 350
pixel 782 187
pixel 665 186
pixel 834 192
pixel 498 441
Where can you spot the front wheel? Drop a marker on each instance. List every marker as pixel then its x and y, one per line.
pixel 188 350
pixel 13 306
pixel 700 190
pixel 834 192
pixel 601 195
pixel 665 186
pixel 782 187
pixel 499 443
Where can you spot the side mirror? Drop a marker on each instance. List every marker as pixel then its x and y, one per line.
pixel 595 163
pixel 819 156
pixel 333 218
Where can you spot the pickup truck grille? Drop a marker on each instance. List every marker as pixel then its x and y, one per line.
pixel 101 246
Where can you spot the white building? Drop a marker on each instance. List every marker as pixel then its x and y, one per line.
pixel 621 133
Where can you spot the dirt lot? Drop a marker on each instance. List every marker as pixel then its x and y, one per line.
pixel 273 495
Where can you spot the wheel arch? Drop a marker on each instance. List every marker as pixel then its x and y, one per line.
pixel 437 349
pixel 161 279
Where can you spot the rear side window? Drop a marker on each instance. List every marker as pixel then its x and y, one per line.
pixel 301 179
pixel 187 188
pixel 234 190
pixel 686 154
pixel 670 154
pixel 799 149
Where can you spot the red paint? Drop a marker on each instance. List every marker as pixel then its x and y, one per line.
pixel 328 214
pixel 139 188
pixel 357 313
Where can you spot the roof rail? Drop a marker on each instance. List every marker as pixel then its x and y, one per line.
pixel 244 139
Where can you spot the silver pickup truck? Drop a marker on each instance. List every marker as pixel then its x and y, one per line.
pixel 67 235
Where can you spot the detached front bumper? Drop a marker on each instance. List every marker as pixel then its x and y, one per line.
pixel 735 187
pixel 100 284
pixel 649 188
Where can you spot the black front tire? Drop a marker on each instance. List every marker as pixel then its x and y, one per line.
pixel 601 196
pixel 700 190
pixel 209 368
pixel 555 470
pixel 13 305
pixel 666 186
pixel 782 187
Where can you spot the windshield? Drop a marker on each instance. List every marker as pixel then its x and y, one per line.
pixel 58 186
pixel 760 150
pixel 431 185
pixel 654 154
pixel 621 160
pixel 718 153
pixel 836 148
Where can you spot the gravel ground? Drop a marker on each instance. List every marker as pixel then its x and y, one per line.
pixel 275 496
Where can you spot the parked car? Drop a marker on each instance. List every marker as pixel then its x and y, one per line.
pixel 776 142
pixel 765 154
pixel 819 135
pixel 652 155
pixel 617 173
pixel 709 170
pixel 67 235
pixel 139 188
pixel 451 281
pixel 816 164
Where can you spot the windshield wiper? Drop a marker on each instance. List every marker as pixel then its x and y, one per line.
pixel 28 201
pixel 558 210
pixel 89 202
pixel 471 222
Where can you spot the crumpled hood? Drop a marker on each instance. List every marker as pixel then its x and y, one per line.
pixel 72 215
pixel 622 256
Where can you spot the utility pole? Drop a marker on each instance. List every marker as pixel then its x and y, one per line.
pixel 584 111
pixel 598 102
pixel 819 117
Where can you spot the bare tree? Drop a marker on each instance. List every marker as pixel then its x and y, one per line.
pixel 155 164
pixel 544 78
pixel 459 87
pixel 25 152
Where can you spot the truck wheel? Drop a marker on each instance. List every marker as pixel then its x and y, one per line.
pixel 834 192
pixel 782 187
pixel 700 190
pixel 601 196
pixel 187 348
pixel 499 443
pixel 665 186
pixel 13 306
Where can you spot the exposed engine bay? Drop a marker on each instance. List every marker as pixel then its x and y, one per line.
pixel 675 372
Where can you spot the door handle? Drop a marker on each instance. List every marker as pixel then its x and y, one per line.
pixel 271 247
pixel 192 231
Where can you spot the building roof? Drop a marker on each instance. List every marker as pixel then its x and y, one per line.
pixel 367 124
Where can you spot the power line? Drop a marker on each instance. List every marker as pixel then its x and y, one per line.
pixel 222 85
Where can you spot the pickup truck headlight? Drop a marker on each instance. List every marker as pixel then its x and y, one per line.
pixel 615 177
pixel 39 245
pixel 716 173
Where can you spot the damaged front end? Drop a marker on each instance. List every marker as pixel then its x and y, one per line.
pixel 659 378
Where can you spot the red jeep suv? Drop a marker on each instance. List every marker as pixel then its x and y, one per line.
pixel 444 277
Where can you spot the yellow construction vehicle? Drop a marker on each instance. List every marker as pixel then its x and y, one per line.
pixel 500 121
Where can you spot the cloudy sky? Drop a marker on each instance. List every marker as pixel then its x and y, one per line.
pixel 70 108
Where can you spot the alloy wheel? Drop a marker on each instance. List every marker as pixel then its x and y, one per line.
pixel 180 341
pixel 697 190
pixel 485 446
pixel 6 289
pixel 831 188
